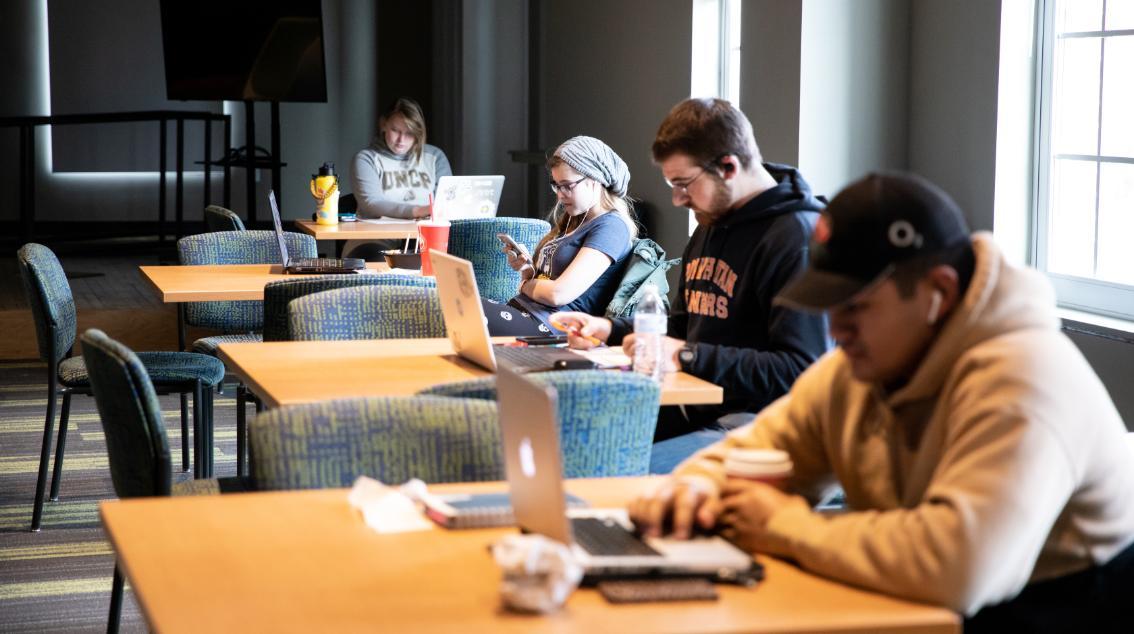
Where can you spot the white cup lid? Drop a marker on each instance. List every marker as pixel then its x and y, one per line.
pixel 755 463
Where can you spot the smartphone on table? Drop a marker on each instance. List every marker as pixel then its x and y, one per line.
pixel 543 340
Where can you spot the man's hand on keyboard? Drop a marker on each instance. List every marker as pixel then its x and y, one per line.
pixel 681 500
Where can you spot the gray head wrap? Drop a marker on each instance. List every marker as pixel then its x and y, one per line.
pixel 595 160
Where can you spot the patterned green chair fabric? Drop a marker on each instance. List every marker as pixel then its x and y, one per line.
pixel 53 310
pixel 209 345
pixel 393 439
pixel 219 218
pixel 367 312
pixel 162 367
pixel 278 294
pixel 53 306
pixel 136 444
pixel 236 247
pixel 606 418
pixel 131 418
pixel 475 240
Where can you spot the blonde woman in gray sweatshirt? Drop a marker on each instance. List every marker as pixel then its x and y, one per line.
pixel 395 176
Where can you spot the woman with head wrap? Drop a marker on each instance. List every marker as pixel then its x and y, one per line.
pixel 577 265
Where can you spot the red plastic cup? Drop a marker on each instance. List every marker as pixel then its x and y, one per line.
pixel 434 234
pixel 770 466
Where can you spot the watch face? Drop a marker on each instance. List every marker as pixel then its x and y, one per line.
pixel 685 356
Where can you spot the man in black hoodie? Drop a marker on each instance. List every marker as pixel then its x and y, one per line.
pixel 754 221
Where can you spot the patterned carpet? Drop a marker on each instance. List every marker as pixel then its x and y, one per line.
pixel 59 579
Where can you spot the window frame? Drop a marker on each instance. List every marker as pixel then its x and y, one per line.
pixel 725 73
pixel 1079 293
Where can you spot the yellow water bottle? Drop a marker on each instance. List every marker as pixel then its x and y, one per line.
pixel 325 189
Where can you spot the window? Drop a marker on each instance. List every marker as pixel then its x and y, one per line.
pixel 1084 229
pixel 716 50
pixel 715 68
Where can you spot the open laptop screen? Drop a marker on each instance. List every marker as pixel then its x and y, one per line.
pixel 284 259
pixel 460 197
pixel 531 455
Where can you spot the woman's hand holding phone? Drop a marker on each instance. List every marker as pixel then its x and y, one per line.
pixel 518 257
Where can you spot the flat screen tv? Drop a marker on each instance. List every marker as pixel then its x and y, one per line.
pixel 257 50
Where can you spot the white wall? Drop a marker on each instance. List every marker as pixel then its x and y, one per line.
pixel 770 46
pixel 954 83
pixel 107 57
pixel 1114 363
pixel 825 84
pixel 613 70
pixel 954 54
pixel 853 90
pixel 23 46
pixel 495 95
pixel 311 133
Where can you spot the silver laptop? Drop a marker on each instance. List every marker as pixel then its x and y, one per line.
pixel 460 197
pixel 601 539
pixel 309 265
pixel 468 328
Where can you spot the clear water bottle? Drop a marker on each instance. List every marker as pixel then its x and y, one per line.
pixel 649 329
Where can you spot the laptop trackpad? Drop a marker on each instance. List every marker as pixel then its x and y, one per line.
pixel 706 548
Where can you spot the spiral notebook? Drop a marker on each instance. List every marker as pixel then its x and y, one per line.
pixel 480 510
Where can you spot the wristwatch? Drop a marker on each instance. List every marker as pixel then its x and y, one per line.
pixel 686 355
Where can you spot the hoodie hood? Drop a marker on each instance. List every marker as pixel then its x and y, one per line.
pixel 1001 299
pixel 791 194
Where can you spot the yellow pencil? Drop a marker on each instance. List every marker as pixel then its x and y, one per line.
pixel 575 331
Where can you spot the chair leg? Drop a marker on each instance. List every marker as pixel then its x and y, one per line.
pixel 60 443
pixel 251 458
pixel 184 432
pixel 115 602
pixel 241 429
pixel 198 434
pixel 44 453
pixel 207 423
pixel 202 430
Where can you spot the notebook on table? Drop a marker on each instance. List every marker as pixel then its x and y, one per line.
pixel 467 326
pixel 476 510
pixel 602 540
pixel 460 197
pixel 309 265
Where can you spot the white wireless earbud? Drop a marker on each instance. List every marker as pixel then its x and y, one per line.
pixel 934 308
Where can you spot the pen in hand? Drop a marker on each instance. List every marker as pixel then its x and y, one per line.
pixel 575 331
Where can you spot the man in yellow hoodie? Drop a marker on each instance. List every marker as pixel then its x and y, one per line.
pixel 985 467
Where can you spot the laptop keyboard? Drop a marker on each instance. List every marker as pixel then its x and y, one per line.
pixel 323 263
pixel 606 537
pixel 536 358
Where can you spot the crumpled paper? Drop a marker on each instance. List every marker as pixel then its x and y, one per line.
pixel 386 509
pixel 538 573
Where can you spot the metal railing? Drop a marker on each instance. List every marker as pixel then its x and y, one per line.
pixel 27 126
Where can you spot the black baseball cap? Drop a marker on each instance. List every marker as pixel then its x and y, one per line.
pixel 868 229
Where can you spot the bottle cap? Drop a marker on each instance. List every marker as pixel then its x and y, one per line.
pixel 328 169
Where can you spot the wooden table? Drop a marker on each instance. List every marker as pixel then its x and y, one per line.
pixel 215 282
pixel 290 372
pixel 303 561
pixel 360 230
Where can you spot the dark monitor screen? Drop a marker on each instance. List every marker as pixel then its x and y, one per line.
pixel 259 50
